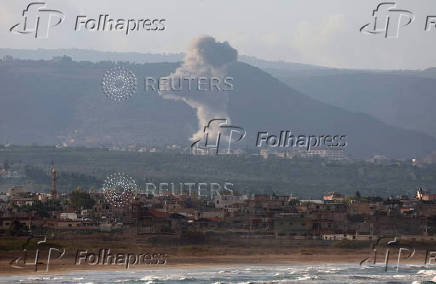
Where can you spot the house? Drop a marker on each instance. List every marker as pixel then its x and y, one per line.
pixel 68 224
pixel 333 237
pixel 17 191
pixel 227 200
pixel 292 224
pixel 208 223
pixel 154 221
pixel 359 208
pixel 333 196
pixel 210 214
pixel 328 218
pixel 4 197
pixel 425 196
pixel 427 209
pixel 5 222
pixel 24 201
pixel 68 216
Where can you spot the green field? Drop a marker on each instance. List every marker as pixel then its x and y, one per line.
pixel 305 178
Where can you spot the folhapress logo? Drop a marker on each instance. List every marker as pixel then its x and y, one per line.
pixel 104 23
pixel 37 20
pixel 52 255
pixel 216 133
pixel 219 136
pixel 387 20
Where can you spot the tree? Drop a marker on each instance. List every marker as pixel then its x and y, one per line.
pixel 80 199
pixel 43 209
pixel 17 229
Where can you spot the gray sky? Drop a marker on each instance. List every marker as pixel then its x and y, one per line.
pixel 321 32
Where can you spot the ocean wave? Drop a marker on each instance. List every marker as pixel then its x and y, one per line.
pixel 242 275
pixel 302 278
pixel 149 278
pixel 427 272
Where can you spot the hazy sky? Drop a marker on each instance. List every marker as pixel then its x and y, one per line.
pixel 322 32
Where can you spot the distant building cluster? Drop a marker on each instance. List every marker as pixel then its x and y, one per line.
pixel 333 217
pixel 323 153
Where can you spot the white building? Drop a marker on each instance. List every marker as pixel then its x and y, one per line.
pixel 224 201
pixel 68 216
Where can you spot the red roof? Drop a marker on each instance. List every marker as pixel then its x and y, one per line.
pixel 158 214
pixel 214 219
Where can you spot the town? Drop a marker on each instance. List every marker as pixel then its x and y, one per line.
pixel 332 217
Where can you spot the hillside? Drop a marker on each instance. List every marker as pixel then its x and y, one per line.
pixel 60 102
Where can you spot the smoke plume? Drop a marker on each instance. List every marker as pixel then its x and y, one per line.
pixel 206 58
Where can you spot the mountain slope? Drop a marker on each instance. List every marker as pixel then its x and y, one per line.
pixel 55 102
pixel 402 99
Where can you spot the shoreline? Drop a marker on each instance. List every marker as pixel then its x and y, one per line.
pixel 308 257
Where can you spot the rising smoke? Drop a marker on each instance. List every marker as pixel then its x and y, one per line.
pixel 205 58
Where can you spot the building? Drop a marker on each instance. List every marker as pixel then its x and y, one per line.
pixel 17 191
pixel 425 196
pixel 68 216
pixel 227 200
pixel 333 196
pixel 292 224
pixel 326 153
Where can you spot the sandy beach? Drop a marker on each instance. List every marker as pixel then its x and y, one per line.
pixel 293 257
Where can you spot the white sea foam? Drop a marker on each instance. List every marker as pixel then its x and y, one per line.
pixel 302 278
pixel 427 272
pixel 149 278
pixel 241 275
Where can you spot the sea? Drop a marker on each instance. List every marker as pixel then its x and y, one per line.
pixel 243 274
